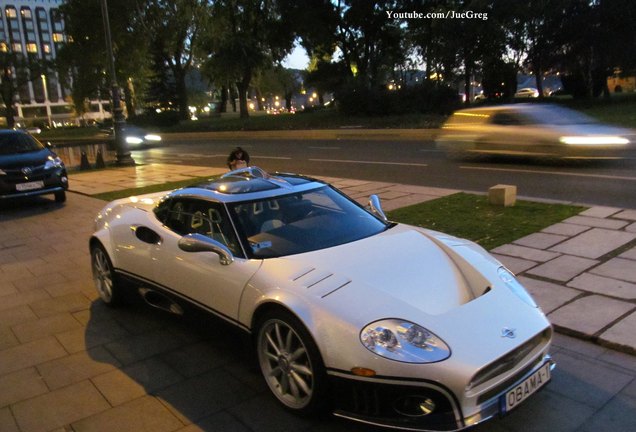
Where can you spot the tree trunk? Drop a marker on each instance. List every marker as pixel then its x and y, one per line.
pixel 467 71
pixel 259 100
pixel 8 91
pixel 538 77
pixel 182 93
pixel 223 102
pixel 243 86
pixel 129 93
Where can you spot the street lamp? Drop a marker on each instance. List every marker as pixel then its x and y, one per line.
pixel 123 154
pixel 46 100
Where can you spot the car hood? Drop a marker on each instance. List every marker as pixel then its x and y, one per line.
pixel 403 264
pixel 18 160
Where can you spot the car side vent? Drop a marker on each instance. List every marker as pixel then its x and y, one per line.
pixel 321 283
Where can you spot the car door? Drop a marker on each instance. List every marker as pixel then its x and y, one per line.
pixel 200 277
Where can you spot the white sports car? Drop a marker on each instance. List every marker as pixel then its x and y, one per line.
pixel 382 323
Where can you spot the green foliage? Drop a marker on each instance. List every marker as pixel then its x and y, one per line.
pixel 424 98
pixel 472 217
pixel 163 119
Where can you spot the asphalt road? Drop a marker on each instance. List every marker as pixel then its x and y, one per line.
pixel 411 161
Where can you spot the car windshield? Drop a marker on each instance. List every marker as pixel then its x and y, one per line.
pixel 13 143
pixel 554 115
pixel 302 222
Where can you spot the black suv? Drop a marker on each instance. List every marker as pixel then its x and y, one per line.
pixel 28 167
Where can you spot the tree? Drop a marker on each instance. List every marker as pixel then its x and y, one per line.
pixel 17 72
pixel 278 80
pixel 245 37
pixel 175 27
pixel 82 62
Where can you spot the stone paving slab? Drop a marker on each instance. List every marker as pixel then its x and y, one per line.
pixel 600 212
pixel 515 265
pixel 549 296
pixel 540 240
pixel 594 243
pixel 563 268
pixel 589 315
pixel 622 333
pixel 626 214
pixel 605 286
pixel 596 222
pixel 629 254
pixel 527 253
pixel 617 268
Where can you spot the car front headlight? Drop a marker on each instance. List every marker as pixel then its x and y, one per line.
pixel 134 140
pixel 53 162
pixel 152 137
pixel 515 286
pixel 594 140
pixel 403 341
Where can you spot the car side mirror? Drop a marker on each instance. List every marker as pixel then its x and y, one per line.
pixel 376 207
pixel 200 243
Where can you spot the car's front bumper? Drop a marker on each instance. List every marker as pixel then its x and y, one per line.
pixel 52 181
pixel 393 403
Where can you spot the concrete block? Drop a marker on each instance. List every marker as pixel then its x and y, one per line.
pixel 502 195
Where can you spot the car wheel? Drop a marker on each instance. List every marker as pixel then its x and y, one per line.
pixel 60 196
pixel 291 363
pixel 104 277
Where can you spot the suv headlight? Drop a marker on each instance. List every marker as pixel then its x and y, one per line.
pixel 515 286
pixel 403 341
pixel 53 162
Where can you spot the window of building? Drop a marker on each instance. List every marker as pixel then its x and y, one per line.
pixel 26 12
pixel 32 47
pixel 11 12
pixel 16 47
pixel 46 48
pixel 58 37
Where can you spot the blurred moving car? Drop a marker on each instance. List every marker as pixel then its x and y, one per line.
pixel 28 167
pixel 379 322
pixel 538 130
pixel 137 137
pixel 527 92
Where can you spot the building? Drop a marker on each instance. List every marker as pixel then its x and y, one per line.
pixel 35 28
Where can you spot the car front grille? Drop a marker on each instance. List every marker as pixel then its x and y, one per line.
pixel 508 362
pixel 24 174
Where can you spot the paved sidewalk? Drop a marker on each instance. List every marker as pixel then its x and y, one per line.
pixel 68 363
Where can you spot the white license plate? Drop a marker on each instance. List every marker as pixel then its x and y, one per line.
pixel 29 186
pixel 523 390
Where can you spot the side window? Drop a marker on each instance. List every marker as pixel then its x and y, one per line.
pixel 189 216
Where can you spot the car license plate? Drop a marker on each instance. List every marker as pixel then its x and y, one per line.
pixel 523 390
pixel 29 186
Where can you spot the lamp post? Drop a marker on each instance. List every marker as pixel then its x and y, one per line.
pixel 123 153
pixel 46 101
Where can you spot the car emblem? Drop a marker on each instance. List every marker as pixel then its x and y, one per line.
pixel 26 171
pixel 509 333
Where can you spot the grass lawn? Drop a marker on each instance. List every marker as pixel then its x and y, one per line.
pixel 472 217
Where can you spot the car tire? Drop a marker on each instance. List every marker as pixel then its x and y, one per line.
pixel 104 277
pixel 60 196
pixel 291 363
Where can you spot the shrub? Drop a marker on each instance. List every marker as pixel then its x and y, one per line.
pixel 423 98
